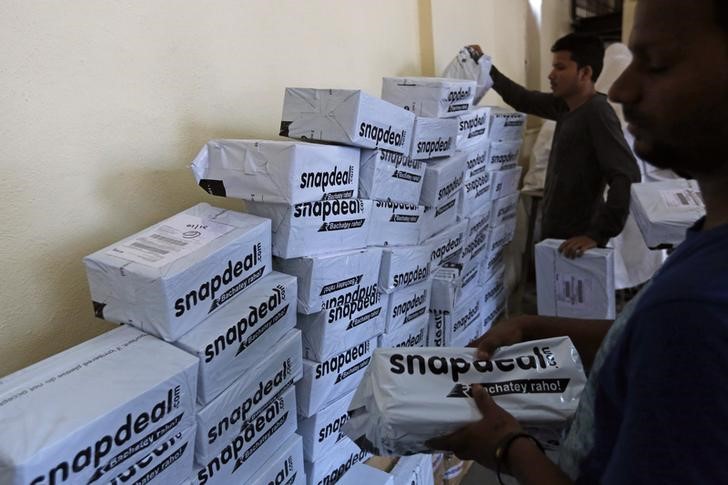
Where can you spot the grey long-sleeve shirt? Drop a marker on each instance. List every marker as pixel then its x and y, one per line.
pixel 588 153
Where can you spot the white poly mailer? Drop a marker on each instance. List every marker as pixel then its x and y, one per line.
pixel 447 327
pixel 264 434
pixel 451 286
pixel 476 195
pixel 494 290
pixel 491 311
pixel 506 124
pixel 433 138
pixel 466 65
pixel 476 239
pixel 332 467
pixel 395 223
pixel 435 97
pixel 89 413
pixel 221 420
pixel 404 266
pixel 234 339
pixel 503 155
pixel 423 393
pixel 412 335
pixel 664 211
pixel 437 218
pixel 168 278
pixel 443 179
pixel 473 127
pixel 277 171
pixel 171 461
pixel 325 277
pixel 447 246
pixel 475 161
pixel 505 182
pixel 311 228
pixel 324 382
pixel 322 432
pixel 359 316
pixel 503 210
pixel 408 305
pixel 362 473
pixel 582 287
pixel 386 175
pixel 284 466
pixel 346 116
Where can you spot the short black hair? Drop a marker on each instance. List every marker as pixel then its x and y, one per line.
pixel 585 50
pixel 721 14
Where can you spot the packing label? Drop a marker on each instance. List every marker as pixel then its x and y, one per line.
pixel 682 198
pixel 167 242
pixel 572 291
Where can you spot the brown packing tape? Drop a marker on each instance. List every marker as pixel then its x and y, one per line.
pixel 384 463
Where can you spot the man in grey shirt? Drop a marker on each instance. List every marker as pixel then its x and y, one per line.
pixel 588 153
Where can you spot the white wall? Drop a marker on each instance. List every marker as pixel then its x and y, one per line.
pixel 105 103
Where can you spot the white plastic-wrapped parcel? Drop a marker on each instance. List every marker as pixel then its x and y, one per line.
pixel 404 266
pixel 473 127
pixel 221 420
pixel 171 276
pixel 475 160
pixel 443 179
pixel 322 432
pixel 447 246
pixel 277 171
pixel 465 66
pixel 505 182
pixel 346 116
pixel 412 335
pixel 362 473
pixel 504 209
pixel 236 338
pixel 435 97
pixel 395 223
pixel 423 393
pixel 285 466
pixel 476 194
pixel 438 217
pixel 503 155
pixel 408 306
pixel 311 228
pixel 433 138
pixel 582 287
pixel 325 277
pixel 506 124
pixel 665 210
pixel 475 247
pixel 414 470
pixel 331 467
pixel 456 326
pixel 89 413
pixel 386 175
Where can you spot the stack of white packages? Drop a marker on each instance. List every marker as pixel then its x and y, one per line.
pixel 363 473
pixel 245 399
pixel 665 210
pixel 576 288
pixel 414 470
pixel 117 408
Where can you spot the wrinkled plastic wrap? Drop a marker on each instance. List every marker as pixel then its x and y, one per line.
pixel 409 396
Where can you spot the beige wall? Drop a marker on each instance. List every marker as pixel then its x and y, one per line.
pixel 105 103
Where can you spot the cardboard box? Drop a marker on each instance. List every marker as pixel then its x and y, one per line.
pixel 403 266
pixel 505 182
pixel 321 432
pixel 576 288
pixel 333 466
pixel 438 218
pixel 414 334
pixel 285 466
pixel 664 211
pixel 429 96
pixel 233 340
pixel 473 127
pixel 277 171
pixel 447 246
pixel 220 421
pixel 65 407
pixel 443 179
pixel 171 461
pixel 168 278
pixel 325 277
pixel 346 116
pixel 433 138
pixel 324 382
pixel 504 210
pixel 408 305
pixel 363 473
pixel 386 175
pixel 359 316
pixel 312 228
pixel 395 223
pixel 506 124
pixel 503 155
pixel 245 455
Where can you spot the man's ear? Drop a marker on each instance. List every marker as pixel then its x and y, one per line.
pixel 585 73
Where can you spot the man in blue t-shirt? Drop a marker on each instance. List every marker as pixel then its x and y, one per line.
pixel 657 395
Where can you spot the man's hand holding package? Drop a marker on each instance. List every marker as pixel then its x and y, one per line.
pixel 575 247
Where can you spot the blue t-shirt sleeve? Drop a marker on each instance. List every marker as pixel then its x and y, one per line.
pixel 673 428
